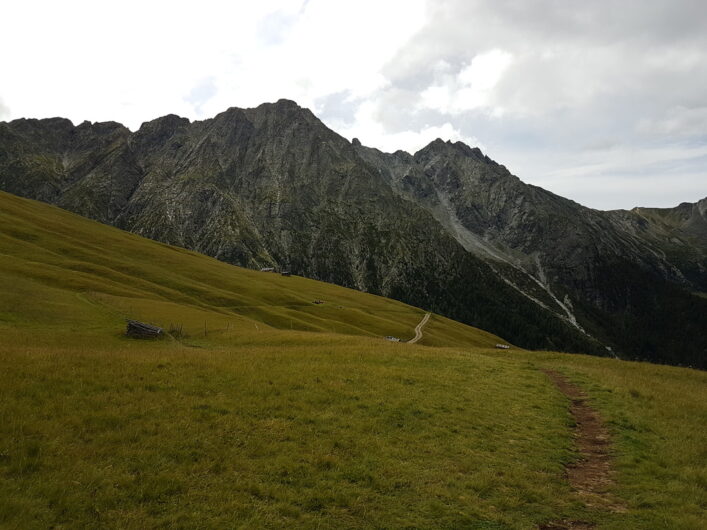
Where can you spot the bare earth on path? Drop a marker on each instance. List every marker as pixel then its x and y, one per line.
pixel 418 329
pixel 590 476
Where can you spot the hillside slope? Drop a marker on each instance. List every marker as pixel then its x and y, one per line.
pixel 271 186
pixel 446 229
pixel 60 271
pixel 627 278
pixel 268 410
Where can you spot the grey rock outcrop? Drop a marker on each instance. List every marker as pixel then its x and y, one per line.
pixel 447 228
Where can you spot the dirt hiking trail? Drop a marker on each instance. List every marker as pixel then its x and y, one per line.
pixel 418 329
pixel 591 475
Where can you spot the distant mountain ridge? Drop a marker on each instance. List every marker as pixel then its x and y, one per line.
pixel 447 228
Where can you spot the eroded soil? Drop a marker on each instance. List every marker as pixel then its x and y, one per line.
pixel 591 475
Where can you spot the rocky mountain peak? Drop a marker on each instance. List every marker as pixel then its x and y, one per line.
pixel 284 114
pixel 284 103
pixel 283 108
pixel 101 128
pixel 162 128
pixel 439 147
pixel 31 126
pixel 446 228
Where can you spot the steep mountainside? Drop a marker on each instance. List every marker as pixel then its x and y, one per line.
pixel 61 273
pixel 680 233
pixel 621 276
pixel 446 229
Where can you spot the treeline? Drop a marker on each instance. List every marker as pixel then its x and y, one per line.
pixel 470 292
pixel 649 318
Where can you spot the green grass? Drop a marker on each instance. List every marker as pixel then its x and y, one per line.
pixel 274 412
pixel 324 433
pixel 658 416
pixel 82 270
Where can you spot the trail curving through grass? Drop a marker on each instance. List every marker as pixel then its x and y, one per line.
pixel 418 329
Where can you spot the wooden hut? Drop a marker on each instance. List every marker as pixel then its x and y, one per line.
pixel 140 330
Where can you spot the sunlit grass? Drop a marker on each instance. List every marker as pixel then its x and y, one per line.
pixel 658 418
pixel 327 432
pixel 78 268
pixel 267 410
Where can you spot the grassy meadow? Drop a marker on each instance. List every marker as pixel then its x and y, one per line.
pixel 266 410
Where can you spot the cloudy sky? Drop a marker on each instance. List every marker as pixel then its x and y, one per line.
pixel 604 102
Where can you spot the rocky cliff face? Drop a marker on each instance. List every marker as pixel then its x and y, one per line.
pixel 446 228
pixel 618 276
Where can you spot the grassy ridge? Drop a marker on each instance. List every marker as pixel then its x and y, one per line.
pixel 283 413
pixel 80 268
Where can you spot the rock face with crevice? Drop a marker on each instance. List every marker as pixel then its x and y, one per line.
pixel 629 270
pixel 447 228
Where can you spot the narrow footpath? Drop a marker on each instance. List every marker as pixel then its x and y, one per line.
pixel 590 476
pixel 418 329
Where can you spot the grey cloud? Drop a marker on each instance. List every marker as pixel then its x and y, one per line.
pixel 596 79
pixel 601 144
pixel 393 111
pixel 338 107
pixel 201 93
pixel 678 121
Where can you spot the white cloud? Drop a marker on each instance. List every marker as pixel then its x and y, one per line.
pixel 4 111
pixel 368 128
pixel 538 81
pixel 485 70
pixel 134 61
pixel 619 176
pixel 471 88
pixel 437 97
pixel 331 47
pixel 129 62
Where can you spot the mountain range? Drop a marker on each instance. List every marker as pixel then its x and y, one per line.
pixel 447 228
